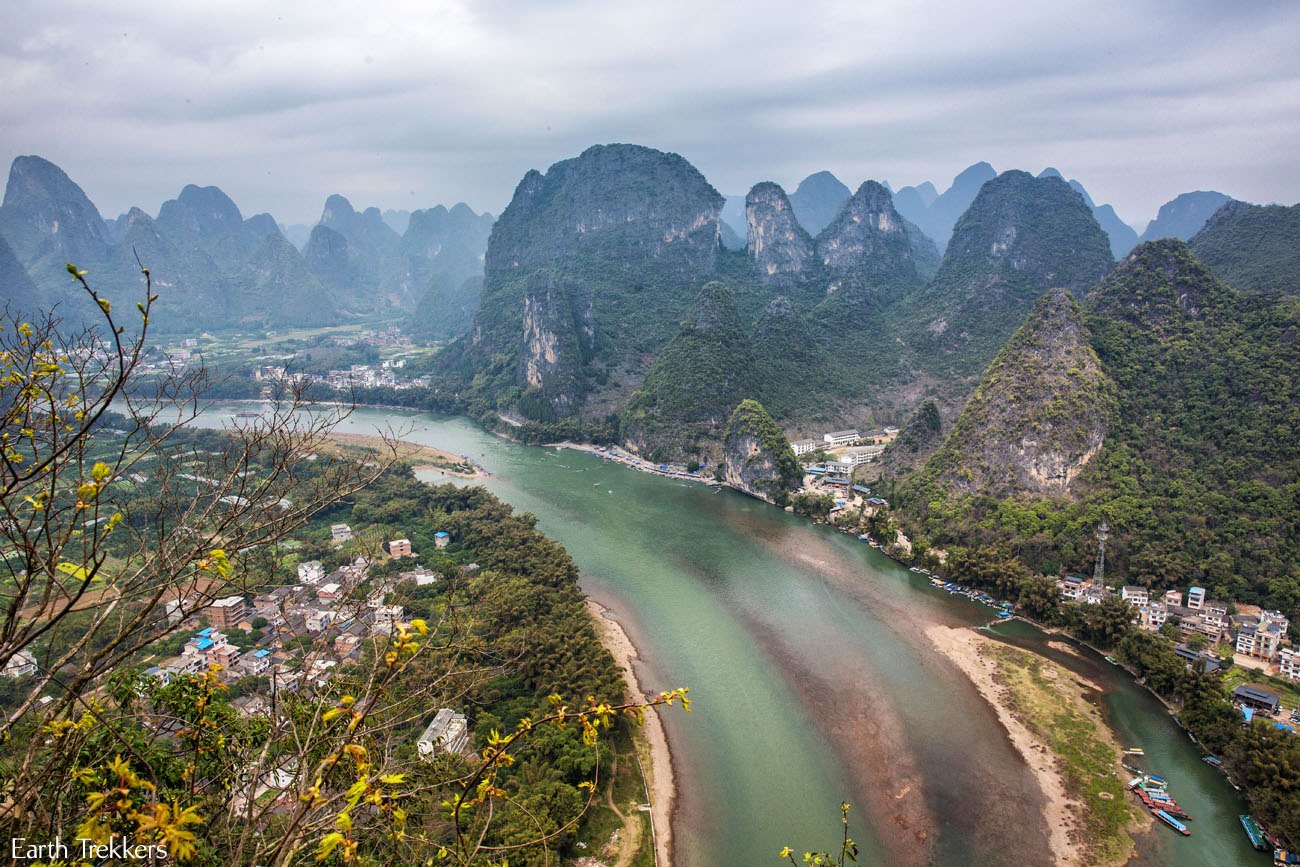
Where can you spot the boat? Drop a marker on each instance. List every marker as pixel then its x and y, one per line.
pixel 916 569
pixel 1135 751
pixel 1159 781
pixel 1253 832
pixel 1213 761
pixel 247 414
pixel 1112 660
pixel 1173 823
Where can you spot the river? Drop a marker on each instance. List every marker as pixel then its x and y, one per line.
pixel 811 676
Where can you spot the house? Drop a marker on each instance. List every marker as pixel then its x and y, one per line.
pixel 1174 597
pixel 448 732
pixel 1196 598
pixel 420 576
pixel 329 592
pixel 225 614
pixel 340 532
pixel 310 572
pixel 1071 587
pixel 840 469
pixel 842 438
pixel 21 664
pixel 387 617
pixel 1257 699
pixel 1260 638
pixel 255 663
pixel 441 538
pixel 1288 663
pixel 1197 658
pixel 1154 615
pixel 1135 595
pixel 805 447
pixel 317 620
pixel 399 548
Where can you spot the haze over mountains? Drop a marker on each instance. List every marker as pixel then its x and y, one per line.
pixel 214 269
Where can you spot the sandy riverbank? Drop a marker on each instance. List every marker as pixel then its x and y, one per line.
pixel 627 459
pixel 1063 810
pixel 659 774
pixel 420 456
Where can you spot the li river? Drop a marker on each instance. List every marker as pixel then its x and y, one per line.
pixel 812 679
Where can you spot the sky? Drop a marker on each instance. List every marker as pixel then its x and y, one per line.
pixel 405 105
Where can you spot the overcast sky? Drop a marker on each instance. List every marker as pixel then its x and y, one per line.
pixel 405 105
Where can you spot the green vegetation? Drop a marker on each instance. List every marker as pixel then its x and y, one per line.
pixel 1075 733
pixel 1253 248
pixel 758 457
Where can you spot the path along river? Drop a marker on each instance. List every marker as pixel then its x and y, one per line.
pixel 812 679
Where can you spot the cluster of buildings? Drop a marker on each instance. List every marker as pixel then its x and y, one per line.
pixel 1259 636
pixel 843 438
pixel 386 374
pixel 338 611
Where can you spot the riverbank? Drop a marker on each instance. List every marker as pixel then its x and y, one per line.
pixel 627 459
pixel 1061 736
pixel 651 741
pixel 420 456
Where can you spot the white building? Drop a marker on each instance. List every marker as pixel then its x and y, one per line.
pixel 21 664
pixel 842 438
pixel 1288 663
pixel 310 572
pixel 805 447
pixel 448 732
pixel 1135 595
pixel 340 532
pixel 1196 598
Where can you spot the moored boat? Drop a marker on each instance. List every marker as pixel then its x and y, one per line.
pixel 1169 820
pixel 1253 832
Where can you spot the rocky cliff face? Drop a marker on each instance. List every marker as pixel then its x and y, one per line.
pixel 280 288
pixel 782 251
pixel 17 289
pixel 915 443
pixel 48 221
pixel 868 246
pixel 1040 414
pixel 637 227
pixel 756 457
pixel 558 333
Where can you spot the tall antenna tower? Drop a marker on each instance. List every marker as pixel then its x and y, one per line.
pixel 1103 533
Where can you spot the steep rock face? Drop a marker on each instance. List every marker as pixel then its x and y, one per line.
pixel 913 446
pixel 557 335
pixel 1021 236
pixel 638 227
pixel 204 214
pixel 441 252
pixel 191 288
pixel 373 254
pixel 1184 216
pixel 868 246
pixel 779 246
pixel 447 309
pixel 1039 415
pixel 48 221
pixel 695 382
pixel 326 255
pixel 817 200
pixel 1253 248
pixel 756 456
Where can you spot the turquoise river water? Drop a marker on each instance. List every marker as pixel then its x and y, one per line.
pixel 812 678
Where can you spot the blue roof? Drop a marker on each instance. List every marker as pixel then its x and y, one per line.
pixel 205 643
pixel 441 535
pixel 1248 713
pixel 205 632
pixel 261 653
pixel 1284 728
pixel 1196 590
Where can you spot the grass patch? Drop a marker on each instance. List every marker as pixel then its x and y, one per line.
pixel 1046 700
pixel 1235 677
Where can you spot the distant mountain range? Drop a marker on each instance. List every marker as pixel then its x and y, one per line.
pixel 214 269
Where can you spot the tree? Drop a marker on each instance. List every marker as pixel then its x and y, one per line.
pixel 122 525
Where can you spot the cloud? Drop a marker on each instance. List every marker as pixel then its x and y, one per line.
pixel 409 104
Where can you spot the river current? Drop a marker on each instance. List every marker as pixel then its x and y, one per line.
pixel 812 679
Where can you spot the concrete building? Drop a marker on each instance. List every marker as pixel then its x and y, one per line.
pixel 448 732
pixel 1154 615
pixel 310 572
pixel 225 614
pixel 1135 595
pixel 1256 698
pixel 399 548
pixel 838 438
pixel 21 664
pixel 1262 637
pixel 340 532
pixel 441 538
pixel 1196 598
pixel 805 447
pixel 1174 597
pixel 1288 663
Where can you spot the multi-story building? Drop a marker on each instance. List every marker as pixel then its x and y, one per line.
pixel 1196 598
pixel 225 614
pixel 310 572
pixel 805 447
pixel 1288 663
pixel 838 438
pixel 399 548
pixel 1135 595
pixel 448 732
pixel 340 532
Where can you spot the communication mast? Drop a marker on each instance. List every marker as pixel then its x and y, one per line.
pixel 1103 533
